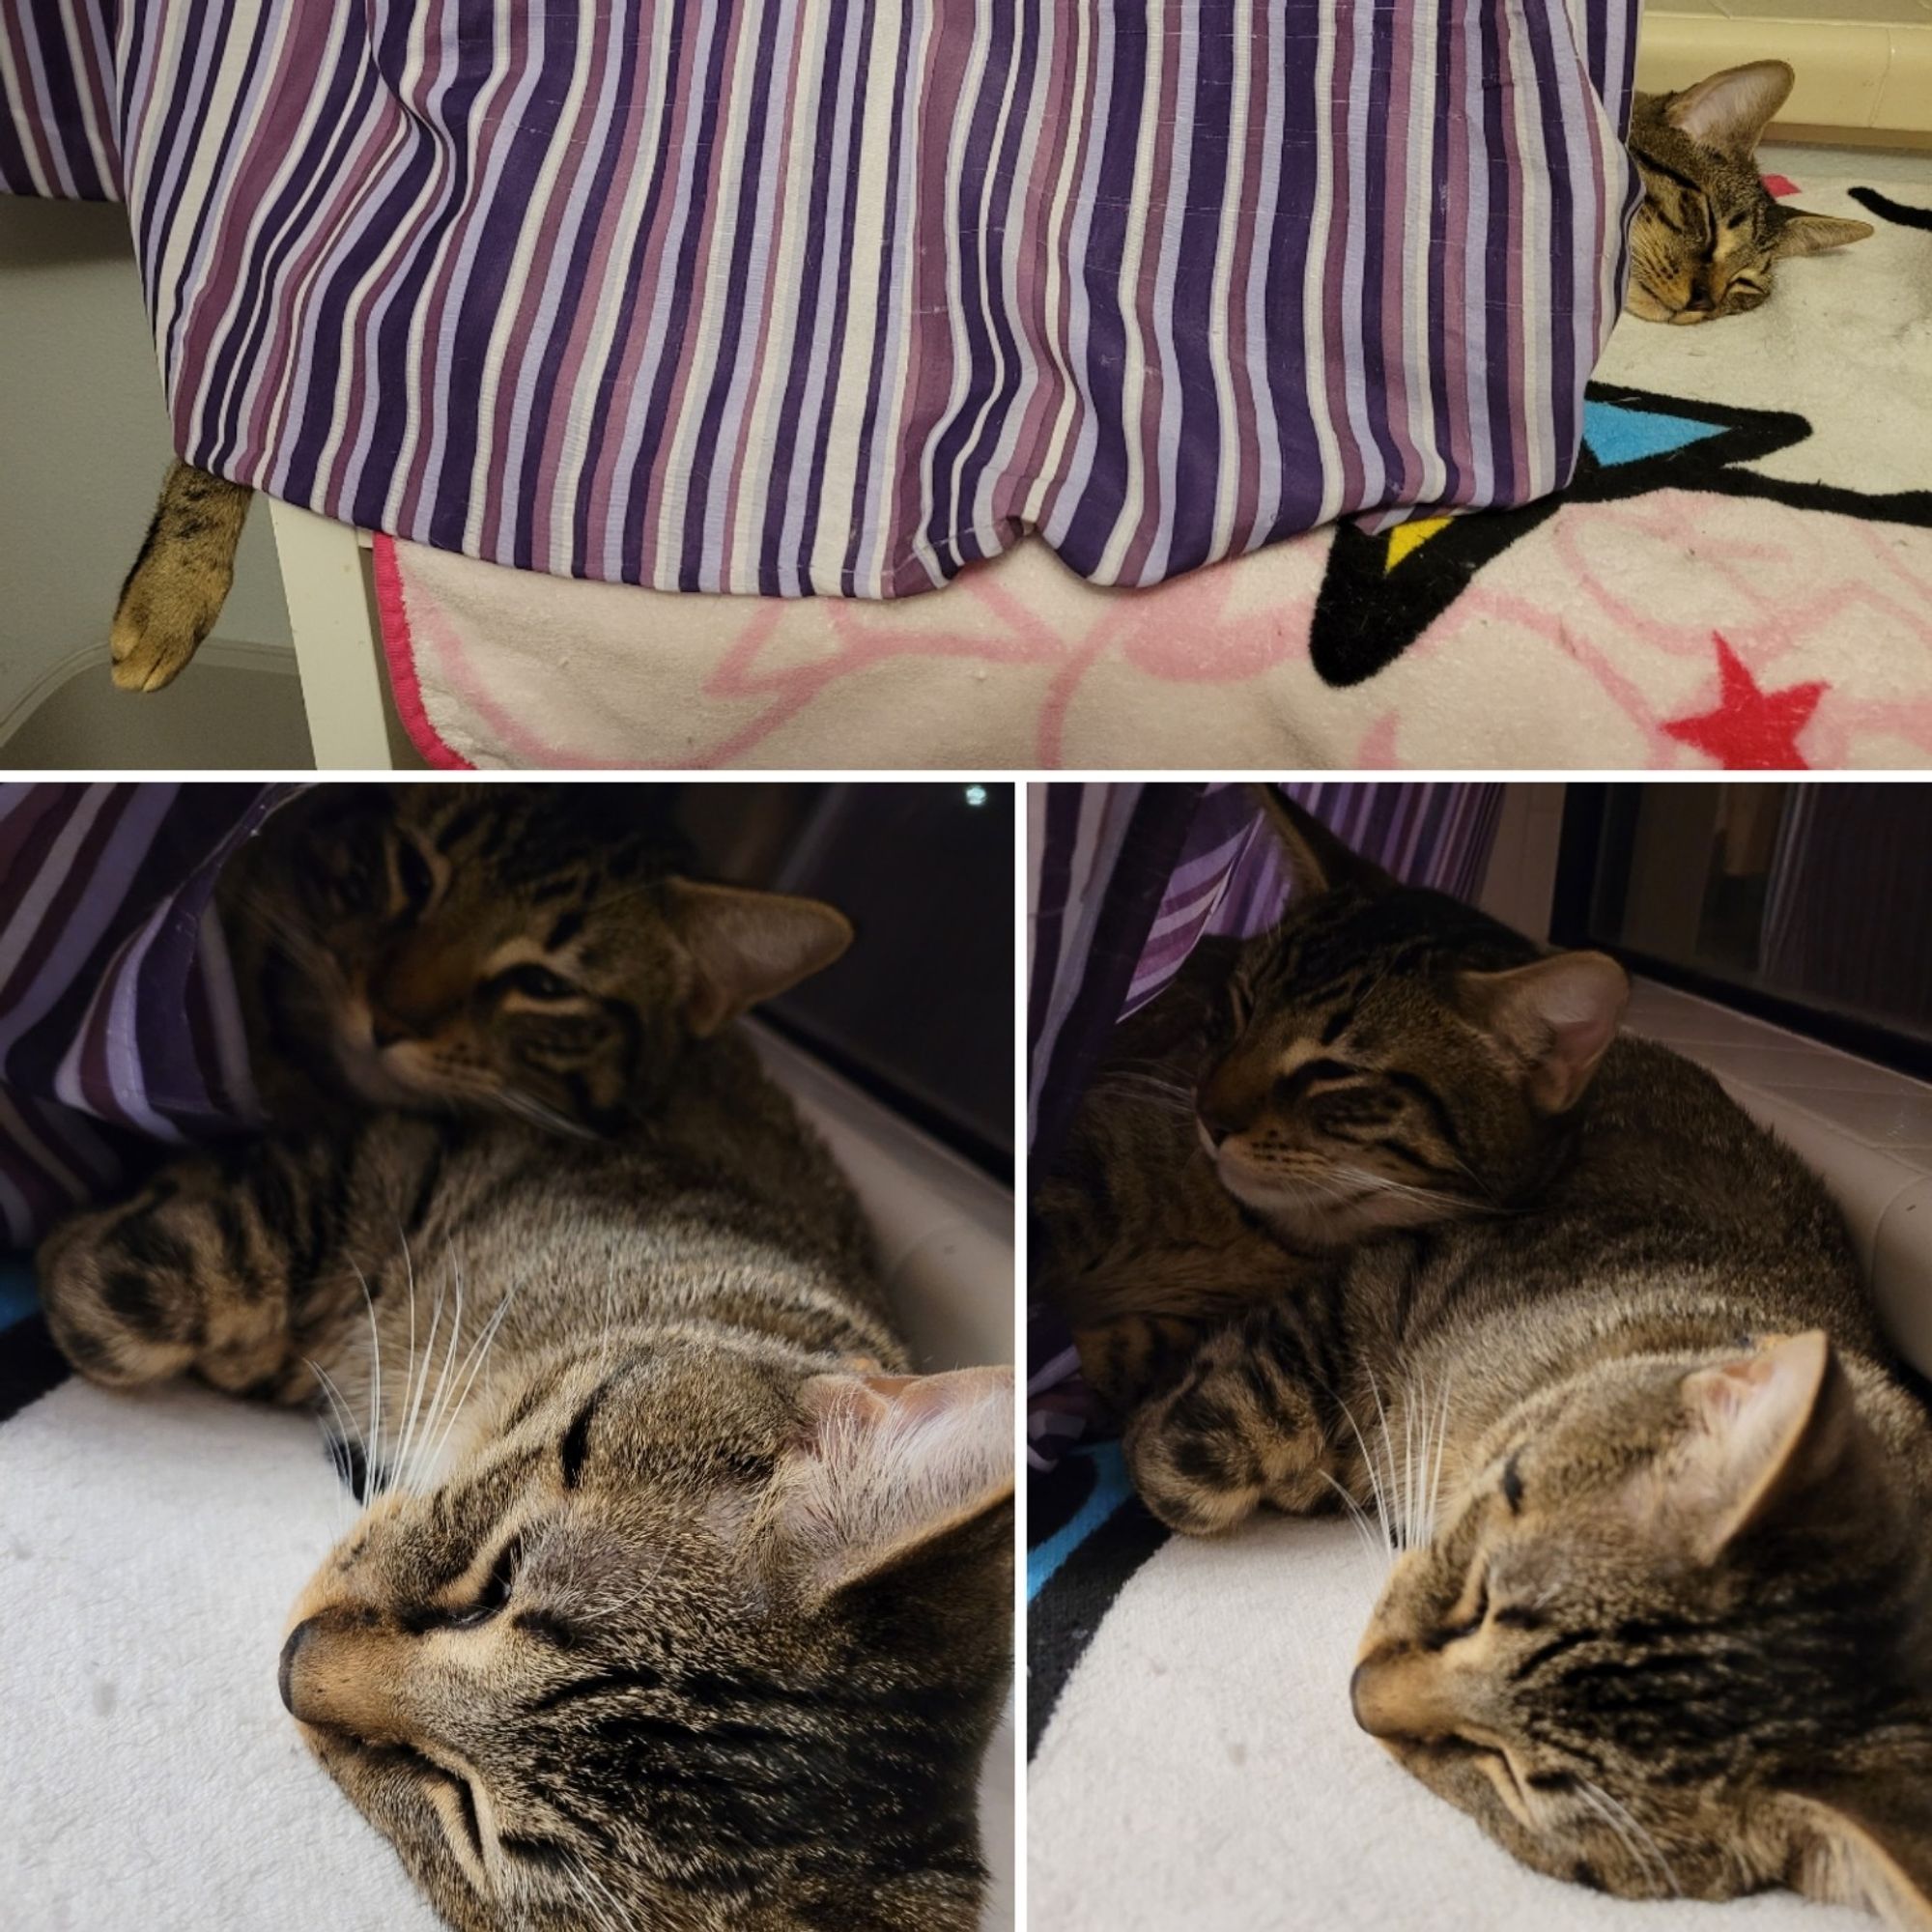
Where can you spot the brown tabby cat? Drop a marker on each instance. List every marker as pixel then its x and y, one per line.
pixel 1662 1620
pixel 677 1601
pixel 522 948
pixel 1708 231
pixel 180 579
pixel 1284 1099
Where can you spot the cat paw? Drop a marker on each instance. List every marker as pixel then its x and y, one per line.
pixel 1234 1434
pixel 164 1284
pixel 166 611
pixel 121 1311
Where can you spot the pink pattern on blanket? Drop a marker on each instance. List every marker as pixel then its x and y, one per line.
pixel 1588 636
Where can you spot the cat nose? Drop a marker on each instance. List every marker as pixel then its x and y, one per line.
pixel 1222 1108
pixel 387 1031
pixel 290 1650
pixel 1369 1703
pixel 343 1670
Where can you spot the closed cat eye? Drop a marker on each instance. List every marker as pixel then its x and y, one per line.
pixel 534 983
pixel 1470 1625
pixel 413 875
pixel 1325 1074
pixel 496 1591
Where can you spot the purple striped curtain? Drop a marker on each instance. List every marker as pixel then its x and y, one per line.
pixel 1125 880
pixel 118 1015
pixel 838 296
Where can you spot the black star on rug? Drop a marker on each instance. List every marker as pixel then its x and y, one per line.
pixel 1381 592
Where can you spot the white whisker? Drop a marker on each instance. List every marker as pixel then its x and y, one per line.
pixel 1637 1841
pixel 373 1457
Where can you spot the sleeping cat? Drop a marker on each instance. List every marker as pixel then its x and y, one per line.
pixel 1708 231
pixel 677 1599
pixel 1158 1224
pixel 1661 1620
pixel 521 948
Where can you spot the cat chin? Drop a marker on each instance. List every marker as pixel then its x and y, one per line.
pixel 1300 1214
pixel 371 1075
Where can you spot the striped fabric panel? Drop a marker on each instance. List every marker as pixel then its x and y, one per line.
pixel 1233 879
pixel 1102 862
pixel 1075 835
pixel 838 296
pixel 118 1013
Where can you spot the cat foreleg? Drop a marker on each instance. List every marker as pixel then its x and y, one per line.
pixel 1243 1427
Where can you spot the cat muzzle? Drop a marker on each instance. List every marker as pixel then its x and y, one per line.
pixel 1397 1696
pixel 338 1674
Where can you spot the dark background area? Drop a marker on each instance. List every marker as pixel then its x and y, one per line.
pixel 1805 904
pixel 919 1011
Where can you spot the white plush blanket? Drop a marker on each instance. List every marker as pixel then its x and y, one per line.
pixel 1203 1771
pixel 152 1545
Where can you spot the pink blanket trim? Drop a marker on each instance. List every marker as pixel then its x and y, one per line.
pixel 399 650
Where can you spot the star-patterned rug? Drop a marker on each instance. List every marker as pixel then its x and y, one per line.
pixel 1738 576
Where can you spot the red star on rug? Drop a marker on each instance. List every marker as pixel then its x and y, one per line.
pixel 1752 731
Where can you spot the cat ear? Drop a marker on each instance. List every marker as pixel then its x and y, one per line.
pixel 746 946
pixel 1866 1841
pixel 1318 860
pixel 1558 1015
pixel 1800 232
pixel 1728 111
pixel 1769 1432
pixel 889 1462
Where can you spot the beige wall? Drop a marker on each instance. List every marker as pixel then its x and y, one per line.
pixel 83 446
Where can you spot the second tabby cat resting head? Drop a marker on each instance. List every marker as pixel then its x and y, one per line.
pixel 1675 1636
pixel 520 948
pixel 1709 233
pixel 1392 1057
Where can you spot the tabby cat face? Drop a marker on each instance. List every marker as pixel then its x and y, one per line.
pixel 1707 235
pixel 1673 1637
pixel 1392 1057
pixel 519 947
pixel 695 1643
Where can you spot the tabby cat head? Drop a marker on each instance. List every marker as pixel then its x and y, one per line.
pixel 1708 231
pixel 1391 1056
pixel 518 947
pixel 698 1642
pixel 1674 1639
